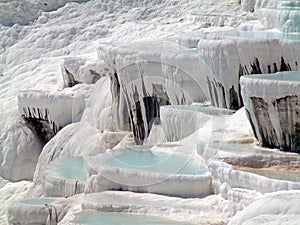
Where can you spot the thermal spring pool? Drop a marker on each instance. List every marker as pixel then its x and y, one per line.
pixel 262 35
pixel 37 201
pixel 142 169
pixel 69 168
pixel 142 158
pixel 66 177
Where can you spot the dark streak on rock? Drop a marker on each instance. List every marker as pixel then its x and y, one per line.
pixel 215 93
pixel 210 91
pixel 71 80
pixel 96 76
pixel 223 94
pixel 251 123
pixel 269 69
pixel 116 96
pixel 284 66
pixel 255 67
pixel 234 100
pixel 275 68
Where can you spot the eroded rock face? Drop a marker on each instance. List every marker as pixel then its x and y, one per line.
pixel 76 70
pixel 47 112
pixel 273 108
pixel 228 56
pixel 287 109
pixel 40 128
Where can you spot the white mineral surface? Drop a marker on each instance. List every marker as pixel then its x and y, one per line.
pixel 50 57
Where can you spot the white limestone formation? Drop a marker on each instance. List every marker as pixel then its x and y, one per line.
pixel 98 112
pixel 179 122
pixel 247 180
pixel 243 172
pixel 284 17
pixel 274 208
pixel 14 12
pixel 62 187
pixel 18 162
pixel 11 192
pixel 34 211
pixel 141 78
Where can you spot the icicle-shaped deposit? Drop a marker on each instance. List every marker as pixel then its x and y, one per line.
pixel 58 109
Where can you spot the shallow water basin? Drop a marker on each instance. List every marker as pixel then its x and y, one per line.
pixel 281 76
pixel 234 148
pixel 142 158
pixel 69 168
pixel 141 169
pixel 262 35
pixel 37 201
pixel 274 173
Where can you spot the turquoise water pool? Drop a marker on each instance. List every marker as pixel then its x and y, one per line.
pixel 37 201
pixel 288 8
pixel 284 76
pixel 136 157
pixel 244 148
pixel 190 40
pixel 234 148
pixel 262 35
pixel 275 173
pixel 289 5
pixel 70 168
pixel 111 218
pixel 142 158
